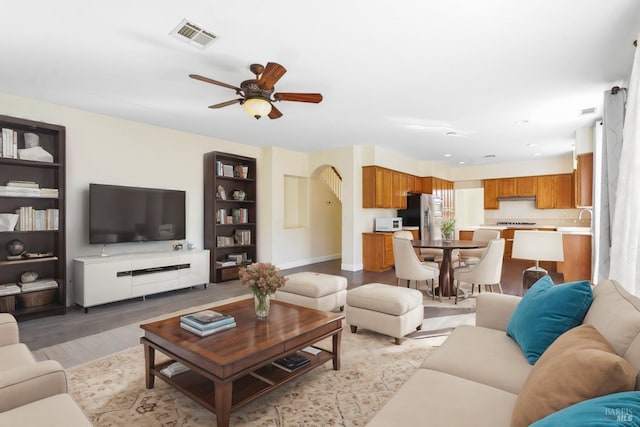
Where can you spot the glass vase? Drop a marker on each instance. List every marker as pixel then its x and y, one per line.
pixel 447 236
pixel 262 304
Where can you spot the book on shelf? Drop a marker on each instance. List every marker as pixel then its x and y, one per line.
pixel 23 184
pixel 242 237
pixel 38 285
pixel 206 332
pixel 9 289
pixel 291 362
pixel 207 317
pixel 37 219
pixel 226 263
pixel 175 368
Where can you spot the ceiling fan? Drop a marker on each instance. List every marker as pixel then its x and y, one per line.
pixel 257 95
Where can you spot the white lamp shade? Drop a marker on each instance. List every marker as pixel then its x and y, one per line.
pixel 537 245
pixel 257 107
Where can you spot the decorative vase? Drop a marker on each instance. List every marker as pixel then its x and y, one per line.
pixel 262 303
pixel 447 236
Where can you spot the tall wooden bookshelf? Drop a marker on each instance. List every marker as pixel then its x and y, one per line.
pixel 46 248
pixel 229 213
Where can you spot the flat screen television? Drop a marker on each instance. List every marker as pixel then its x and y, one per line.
pixel 120 214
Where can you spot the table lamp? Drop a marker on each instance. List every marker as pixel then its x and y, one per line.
pixel 537 246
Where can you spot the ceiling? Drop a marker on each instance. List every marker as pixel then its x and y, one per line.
pixel 399 75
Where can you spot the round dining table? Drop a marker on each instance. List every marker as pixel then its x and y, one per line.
pixel 447 246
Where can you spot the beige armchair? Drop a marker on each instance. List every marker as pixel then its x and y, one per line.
pixel 32 392
pixel 487 271
pixel 472 256
pixel 407 264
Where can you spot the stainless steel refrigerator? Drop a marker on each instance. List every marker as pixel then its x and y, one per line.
pixel 424 211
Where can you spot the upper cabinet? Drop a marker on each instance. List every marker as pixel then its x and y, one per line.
pixel 491 188
pixel 526 186
pixel 584 180
pixel 550 191
pixel 555 192
pixel 387 188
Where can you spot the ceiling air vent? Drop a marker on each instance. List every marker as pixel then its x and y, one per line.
pixel 587 111
pixel 193 34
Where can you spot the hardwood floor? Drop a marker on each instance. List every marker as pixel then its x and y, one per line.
pixel 39 333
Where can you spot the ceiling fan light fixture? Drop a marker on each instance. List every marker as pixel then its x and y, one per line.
pixel 257 107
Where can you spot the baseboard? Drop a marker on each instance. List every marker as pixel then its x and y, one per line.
pixel 300 263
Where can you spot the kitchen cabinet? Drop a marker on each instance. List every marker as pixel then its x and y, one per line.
pixel 383 188
pixel 414 184
pixel 526 186
pixel 399 190
pixel 377 251
pixel 491 193
pixel 584 180
pixel 555 192
pixel 465 235
pixel 577 257
pixel 507 187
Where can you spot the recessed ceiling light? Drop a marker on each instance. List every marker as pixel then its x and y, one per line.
pixel 451 133
pixel 533 144
pixel 489 156
pixel 448 155
pixel 587 111
pixel 461 162
pixel 522 122
pixel 537 154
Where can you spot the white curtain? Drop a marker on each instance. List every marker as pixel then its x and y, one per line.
pixel 625 226
pixel 608 162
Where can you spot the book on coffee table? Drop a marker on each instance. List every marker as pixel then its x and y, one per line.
pixel 207 319
pixel 291 362
pixel 206 332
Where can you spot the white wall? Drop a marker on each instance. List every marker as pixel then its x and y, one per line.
pixel 108 150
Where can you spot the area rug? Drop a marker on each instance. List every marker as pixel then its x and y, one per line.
pixel 111 390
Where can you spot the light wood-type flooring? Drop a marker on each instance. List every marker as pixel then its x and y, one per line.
pixel 48 331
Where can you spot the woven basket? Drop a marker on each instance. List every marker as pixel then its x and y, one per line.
pixel 8 304
pixel 37 298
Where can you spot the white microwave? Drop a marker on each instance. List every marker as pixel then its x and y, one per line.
pixel 388 224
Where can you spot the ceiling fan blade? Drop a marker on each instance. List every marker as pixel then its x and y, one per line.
pixel 299 97
pixel 215 82
pixel 275 113
pixel 271 74
pixel 226 104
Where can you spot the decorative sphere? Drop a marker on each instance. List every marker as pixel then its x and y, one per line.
pixel 28 276
pixel 15 247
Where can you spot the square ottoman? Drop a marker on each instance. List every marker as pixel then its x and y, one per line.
pixel 387 309
pixel 314 290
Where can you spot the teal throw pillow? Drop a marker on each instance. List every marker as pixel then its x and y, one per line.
pixel 547 311
pixel 618 409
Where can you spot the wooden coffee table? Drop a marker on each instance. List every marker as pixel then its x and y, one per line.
pixel 231 368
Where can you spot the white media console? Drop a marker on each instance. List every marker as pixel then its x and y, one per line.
pixel 100 280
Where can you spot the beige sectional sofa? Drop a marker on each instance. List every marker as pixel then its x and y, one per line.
pixel 32 393
pixel 475 377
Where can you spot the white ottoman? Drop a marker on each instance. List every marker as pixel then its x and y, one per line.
pixel 314 290
pixel 387 309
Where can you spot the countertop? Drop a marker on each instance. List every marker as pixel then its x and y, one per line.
pixel 562 229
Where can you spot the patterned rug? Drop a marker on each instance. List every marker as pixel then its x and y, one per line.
pixel 111 390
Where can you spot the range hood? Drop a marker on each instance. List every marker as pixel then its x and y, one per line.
pixel 517 198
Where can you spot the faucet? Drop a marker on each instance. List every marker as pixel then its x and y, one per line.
pixel 583 211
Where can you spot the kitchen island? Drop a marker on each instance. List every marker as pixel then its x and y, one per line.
pixel 577 244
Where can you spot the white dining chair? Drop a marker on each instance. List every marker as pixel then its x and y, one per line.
pixel 408 266
pixel 487 271
pixel 472 256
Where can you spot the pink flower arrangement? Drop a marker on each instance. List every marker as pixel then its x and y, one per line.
pixel 263 278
